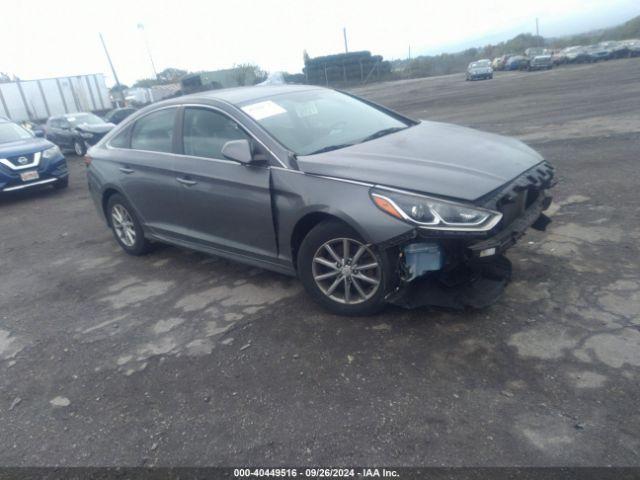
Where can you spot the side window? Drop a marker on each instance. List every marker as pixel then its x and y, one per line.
pixel 121 140
pixel 206 132
pixel 154 132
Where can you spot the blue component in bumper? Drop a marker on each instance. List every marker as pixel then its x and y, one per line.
pixel 421 258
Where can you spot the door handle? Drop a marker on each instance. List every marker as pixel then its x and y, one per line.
pixel 126 170
pixel 184 181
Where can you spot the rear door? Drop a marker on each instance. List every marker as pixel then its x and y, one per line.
pixel 228 204
pixel 145 168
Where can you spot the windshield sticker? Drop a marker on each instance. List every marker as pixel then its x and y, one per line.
pixel 306 109
pixel 263 109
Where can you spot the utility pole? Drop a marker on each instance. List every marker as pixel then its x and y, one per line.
pixel 113 70
pixel 146 43
pixel 537 33
pixel 344 33
pixel 409 51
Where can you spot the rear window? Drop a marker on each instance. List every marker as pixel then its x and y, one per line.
pixel 121 140
pixel 154 132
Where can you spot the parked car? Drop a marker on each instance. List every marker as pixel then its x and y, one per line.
pixel 36 129
pixel 540 62
pixel 517 62
pixel 364 205
pixel 598 52
pixel 117 115
pixel 633 47
pixel 76 131
pixel 535 51
pixel 576 54
pixel 558 57
pixel 499 63
pixel 28 161
pixel 479 70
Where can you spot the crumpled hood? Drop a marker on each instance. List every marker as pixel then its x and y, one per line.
pixel 432 158
pixel 99 128
pixel 24 147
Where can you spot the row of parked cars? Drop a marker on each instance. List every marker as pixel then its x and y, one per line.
pixel 33 155
pixel 594 53
pixel 543 58
pixel 546 59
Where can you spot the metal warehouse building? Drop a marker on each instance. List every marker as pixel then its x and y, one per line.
pixel 37 100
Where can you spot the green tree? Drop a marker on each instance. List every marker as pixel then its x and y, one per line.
pixel 248 74
pixel 171 75
pixel 146 83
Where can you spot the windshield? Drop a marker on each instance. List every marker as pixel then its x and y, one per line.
pixel 320 120
pixel 85 119
pixel 10 132
pixel 481 63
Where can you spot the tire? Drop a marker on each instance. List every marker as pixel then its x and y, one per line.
pixel 79 147
pixel 61 183
pixel 356 292
pixel 130 236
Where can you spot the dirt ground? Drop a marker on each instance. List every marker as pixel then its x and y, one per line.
pixel 177 358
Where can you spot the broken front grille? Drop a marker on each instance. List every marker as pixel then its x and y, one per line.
pixel 517 196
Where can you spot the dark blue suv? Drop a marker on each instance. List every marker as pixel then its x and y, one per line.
pixel 28 161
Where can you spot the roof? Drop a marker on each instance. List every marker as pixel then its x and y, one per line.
pixel 241 95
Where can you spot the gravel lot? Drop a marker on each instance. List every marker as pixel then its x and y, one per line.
pixel 177 358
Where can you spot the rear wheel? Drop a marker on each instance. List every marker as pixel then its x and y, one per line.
pixel 341 272
pixel 126 228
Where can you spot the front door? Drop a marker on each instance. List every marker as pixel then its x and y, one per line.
pixel 227 204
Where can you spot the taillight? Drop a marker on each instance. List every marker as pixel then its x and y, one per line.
pixel 87 160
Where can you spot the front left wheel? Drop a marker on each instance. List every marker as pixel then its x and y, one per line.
pixel 126 227
pixel 342 272
pixel 79 147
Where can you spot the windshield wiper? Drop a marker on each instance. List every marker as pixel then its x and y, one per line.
pixel 329 148
pixel 382 133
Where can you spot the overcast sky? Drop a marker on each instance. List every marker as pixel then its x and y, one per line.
pixel 40 39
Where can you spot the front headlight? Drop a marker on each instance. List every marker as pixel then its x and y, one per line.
pixel 85 134
pixel 433 213
pixel 51 152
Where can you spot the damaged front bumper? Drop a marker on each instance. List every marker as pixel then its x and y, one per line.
pixel 459 270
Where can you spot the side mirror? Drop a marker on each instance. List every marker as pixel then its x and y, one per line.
pixel 238 150
pixel 38 133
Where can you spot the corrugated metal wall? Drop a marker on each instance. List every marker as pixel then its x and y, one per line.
pixel 40 99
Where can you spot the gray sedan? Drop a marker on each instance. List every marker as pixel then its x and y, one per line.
pixel 364 205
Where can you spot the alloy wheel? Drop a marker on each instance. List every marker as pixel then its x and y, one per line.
pixel 346 271
pixel 78 147
pixel 123 225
